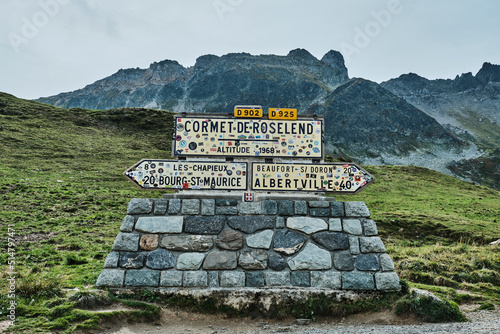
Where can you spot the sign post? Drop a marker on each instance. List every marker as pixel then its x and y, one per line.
pixel 248 135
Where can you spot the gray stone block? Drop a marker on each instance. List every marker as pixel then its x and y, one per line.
pixel 335 224
pixel 325 279
pixel 253 260
pixel 112 260
pixel 356 209
pixel 319 212
pixel 332 240
pixel 261 239
pixel 370 228
pixel 250 224
pixel 387 281
pixel 161 205
pixel 337 209
pixel 301 208
pixel 226 202
pixel 276 262
pixel 171 278
pixel 213 279
pixel 301 278
pixel 255 279
pixel 160 259
pixel 166 224
pixel 195 279
pixel 250 208
pixel 189 261
pixel 319 204
pixel 111 278
pixel 226 210
pixel 357 281
pixel 139 206
pixel 229 239
pixel 188 243
pixel 311 258
pixel 220 260
pixel 354 245
pixel 288 242
pixel 270 207
pixel 371 245
pixel 207 207
pixel 352 226
pixel 204 225
pixel 343 261
pixel 133 260
pixel 367 262
pixel 277 278
pixel 280 222
pixel 307 225
pixel 285 208
pixel 386 262
pixel 232 279
pixel 128 224
pixel 128 242
pixel 174 206
pixel 190 206
pixel 142 277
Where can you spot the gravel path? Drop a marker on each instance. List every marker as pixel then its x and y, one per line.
pixel 482 322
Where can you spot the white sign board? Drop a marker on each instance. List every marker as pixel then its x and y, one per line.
pixel 179 174
pixel 232 137
pixel 325 177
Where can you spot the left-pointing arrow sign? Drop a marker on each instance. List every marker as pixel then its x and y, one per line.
pixel 197 175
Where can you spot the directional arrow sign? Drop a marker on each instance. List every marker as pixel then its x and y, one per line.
pixel 178 174
pixel 325 177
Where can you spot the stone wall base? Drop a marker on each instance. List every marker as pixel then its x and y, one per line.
pixel 282 242
pixel 266 301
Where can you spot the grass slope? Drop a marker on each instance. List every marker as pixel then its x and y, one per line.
pixel 62 189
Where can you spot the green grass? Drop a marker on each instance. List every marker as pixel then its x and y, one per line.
pixel 414 203
pixel 61 188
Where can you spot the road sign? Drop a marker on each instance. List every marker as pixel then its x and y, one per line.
pixel 197 175
pixel 248 111
pixel 283 113
pixel 232 137
pixel 325 177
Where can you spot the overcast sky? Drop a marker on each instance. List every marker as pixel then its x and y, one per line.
pixel 53 46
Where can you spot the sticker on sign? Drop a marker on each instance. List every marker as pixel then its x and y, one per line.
pixel 188 175
pixel 325 177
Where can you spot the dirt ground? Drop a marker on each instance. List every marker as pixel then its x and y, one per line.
pixel 174 321
pixel 181 322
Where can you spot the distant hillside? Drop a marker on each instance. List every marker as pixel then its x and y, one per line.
pixel 39 136
pixel 468 105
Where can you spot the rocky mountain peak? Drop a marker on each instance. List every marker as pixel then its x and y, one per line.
pixel 301 54
pixel 205 62
pixel 488 73
pixel 336 61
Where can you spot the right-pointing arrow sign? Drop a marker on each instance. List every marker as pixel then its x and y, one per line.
pixel 341 178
